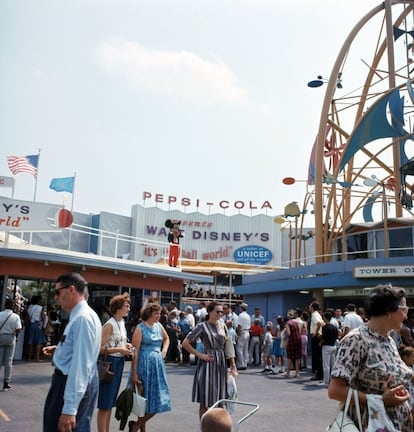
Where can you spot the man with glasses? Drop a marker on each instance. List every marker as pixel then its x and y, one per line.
pixel 72 396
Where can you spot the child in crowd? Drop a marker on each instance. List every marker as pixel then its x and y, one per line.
pixel 233 337
pixel 277 352
pixel 216 419
pixel 267 349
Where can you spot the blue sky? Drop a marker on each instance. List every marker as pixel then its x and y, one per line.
pixel 205 99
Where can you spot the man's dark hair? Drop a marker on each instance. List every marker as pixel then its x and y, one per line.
pixel 9 304
pixel 74 279
pixel 315 305
pixel 327 315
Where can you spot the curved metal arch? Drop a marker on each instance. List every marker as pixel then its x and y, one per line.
pixel 323 244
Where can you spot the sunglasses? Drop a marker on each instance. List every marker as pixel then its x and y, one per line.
pixel 57 290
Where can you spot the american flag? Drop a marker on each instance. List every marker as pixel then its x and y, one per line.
pixel 23 164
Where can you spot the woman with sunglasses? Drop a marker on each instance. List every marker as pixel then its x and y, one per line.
pixel 210 379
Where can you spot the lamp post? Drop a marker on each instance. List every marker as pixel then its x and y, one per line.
pixel 292 210
pixel 284 222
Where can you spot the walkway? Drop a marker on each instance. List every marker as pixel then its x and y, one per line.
pixel 294 405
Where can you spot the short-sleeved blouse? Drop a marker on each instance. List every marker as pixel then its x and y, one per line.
pixel 371 363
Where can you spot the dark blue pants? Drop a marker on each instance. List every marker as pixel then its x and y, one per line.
pixel 54 405
pixel 316 357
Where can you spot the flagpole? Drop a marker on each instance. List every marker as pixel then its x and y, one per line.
pixel 73 191
pixel 37 174
pixel 71 208
pixel 7 233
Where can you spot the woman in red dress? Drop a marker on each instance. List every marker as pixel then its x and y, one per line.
pixel 294 345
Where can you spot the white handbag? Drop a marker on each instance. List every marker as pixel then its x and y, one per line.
pixel 342 421
pixel 378 419
pixel 231 392
pixel 139 403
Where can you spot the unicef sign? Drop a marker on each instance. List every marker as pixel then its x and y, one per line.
pixel 256 255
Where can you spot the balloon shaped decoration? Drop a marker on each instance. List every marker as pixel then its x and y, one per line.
pixel 289 180
pixel 292 210
pixel 64 218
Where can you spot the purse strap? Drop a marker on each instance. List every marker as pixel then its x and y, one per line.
pixel 353 393
pixel 105 353
pixel 4 322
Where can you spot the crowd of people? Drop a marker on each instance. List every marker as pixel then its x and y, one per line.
pixel 209 293
pixel 371 350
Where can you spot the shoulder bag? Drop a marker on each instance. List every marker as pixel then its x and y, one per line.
pixel 342 421
pixel 105 370
pixel 228 345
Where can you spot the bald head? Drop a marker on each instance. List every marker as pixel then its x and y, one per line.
pixel 216 420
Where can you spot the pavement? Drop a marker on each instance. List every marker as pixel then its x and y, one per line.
pixel 285 404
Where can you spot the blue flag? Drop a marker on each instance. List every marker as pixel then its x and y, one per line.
pixel 62 184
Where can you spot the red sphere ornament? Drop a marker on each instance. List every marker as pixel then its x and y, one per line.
pixel 288 181
pixel 64 218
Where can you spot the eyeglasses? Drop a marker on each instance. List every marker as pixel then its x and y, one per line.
pixel 404 308
pixel 219 311
pixel 57 290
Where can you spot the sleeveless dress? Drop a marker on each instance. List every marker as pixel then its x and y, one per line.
pixel 151 370
pixel 210 379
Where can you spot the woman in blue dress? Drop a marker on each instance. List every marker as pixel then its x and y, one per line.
pixel 151 343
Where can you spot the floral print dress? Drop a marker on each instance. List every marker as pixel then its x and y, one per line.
pixel 370 363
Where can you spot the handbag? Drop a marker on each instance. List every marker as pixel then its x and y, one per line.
pixel 139 403
pixel 105 370
pixel 284 339
pixel 231 392
pixel 342 421
pixel 378 419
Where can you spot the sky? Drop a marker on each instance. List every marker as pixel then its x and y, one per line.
pixel 199 99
